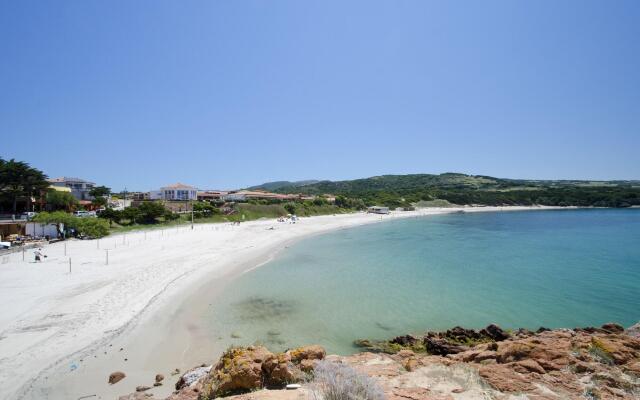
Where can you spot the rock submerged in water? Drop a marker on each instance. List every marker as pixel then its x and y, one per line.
pixel 116 377
pixel 452 341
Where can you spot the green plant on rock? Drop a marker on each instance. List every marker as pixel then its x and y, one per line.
pixel 600 352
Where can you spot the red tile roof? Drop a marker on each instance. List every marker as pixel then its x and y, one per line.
pixel 178 186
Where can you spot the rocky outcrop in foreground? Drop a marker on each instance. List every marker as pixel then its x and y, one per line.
pixel 584 363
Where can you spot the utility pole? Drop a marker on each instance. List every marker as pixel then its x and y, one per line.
pixel 191 215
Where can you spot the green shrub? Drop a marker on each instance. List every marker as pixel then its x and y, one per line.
pixel 334 381
pixel 93 227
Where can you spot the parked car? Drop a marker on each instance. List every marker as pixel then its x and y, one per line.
pixel 28 215
pixel 83 214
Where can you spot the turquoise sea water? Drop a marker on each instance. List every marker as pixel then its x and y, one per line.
pixel 516 269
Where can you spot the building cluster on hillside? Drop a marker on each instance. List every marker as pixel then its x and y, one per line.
pixel 172 194
pixel 177 192
pixel 182 192
pixel 175 197
pixel 79 188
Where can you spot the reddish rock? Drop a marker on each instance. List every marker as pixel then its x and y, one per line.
pixel 116 377
pixel 307 365
pixel 515 351
pixel 239 369
pixel 278 370
pixel 314 352
pixel 505 379
pixel 633 368
pixel 558 364
pixel 485 355
pixel 247 369
pixel 416 393
pixel 187 393
pixel 528 365
pixel 411 364
pixel 581 367
pixel 442 347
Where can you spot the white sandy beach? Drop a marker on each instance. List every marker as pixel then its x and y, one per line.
pixel 61 333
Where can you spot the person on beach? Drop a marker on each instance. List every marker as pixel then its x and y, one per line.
pixel 38 254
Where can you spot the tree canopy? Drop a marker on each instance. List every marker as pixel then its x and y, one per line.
pixel 93 227
pixel 148 212
pixel 18 180
pixel 100 194
pixel 60 200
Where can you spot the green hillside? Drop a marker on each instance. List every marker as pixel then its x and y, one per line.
pixel 404 190
pixel 272 186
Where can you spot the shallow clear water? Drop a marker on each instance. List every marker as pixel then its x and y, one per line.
pixel 516 269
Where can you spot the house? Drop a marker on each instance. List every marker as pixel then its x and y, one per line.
pixel 138 196
pixel 60 188
pixel 120 204
pixel 244 195
pixel 79 187
pixel 210 195
pixel 330 198
pixel 378 210
pixel 175 192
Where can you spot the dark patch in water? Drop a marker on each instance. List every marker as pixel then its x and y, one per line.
pixel 275 341
pixel 263 309
pixel 383 327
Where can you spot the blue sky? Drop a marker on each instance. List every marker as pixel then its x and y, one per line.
pixel 225 94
